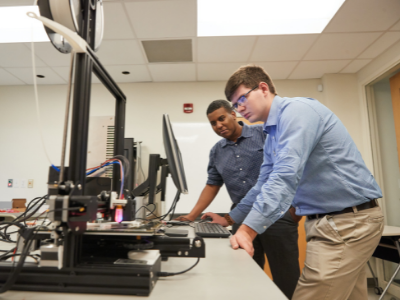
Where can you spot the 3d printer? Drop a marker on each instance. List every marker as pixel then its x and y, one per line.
pixel 77 255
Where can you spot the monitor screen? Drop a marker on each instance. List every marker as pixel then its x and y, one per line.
pixel 174 156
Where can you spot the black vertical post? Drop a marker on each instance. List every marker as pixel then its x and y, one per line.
pixel 80 121
pixel 81 106
pixel 119 129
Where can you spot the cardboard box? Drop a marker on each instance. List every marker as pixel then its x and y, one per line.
pixel 19 205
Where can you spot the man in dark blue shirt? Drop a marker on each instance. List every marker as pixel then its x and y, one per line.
pixel 235 160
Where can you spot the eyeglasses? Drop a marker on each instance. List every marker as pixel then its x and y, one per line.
pixel 242 99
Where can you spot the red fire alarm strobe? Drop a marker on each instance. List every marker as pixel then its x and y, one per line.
pixel 188 108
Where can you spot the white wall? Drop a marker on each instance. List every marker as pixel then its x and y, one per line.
pixel 388 149
pixel 341 96
pixel 22 153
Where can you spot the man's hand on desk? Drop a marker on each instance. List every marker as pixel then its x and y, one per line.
pixel 215 218
pixel 244 239
pixel 185 218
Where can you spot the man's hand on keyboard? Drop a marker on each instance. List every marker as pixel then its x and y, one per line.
pixel 185 218
pixel 215 218
pixel 244 239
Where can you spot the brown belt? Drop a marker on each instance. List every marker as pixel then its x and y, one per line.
pixel 363 206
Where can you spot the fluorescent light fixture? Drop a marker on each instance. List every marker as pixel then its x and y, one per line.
pixel 264 17
pixel 17 27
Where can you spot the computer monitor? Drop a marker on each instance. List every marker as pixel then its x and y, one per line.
pixel 174 157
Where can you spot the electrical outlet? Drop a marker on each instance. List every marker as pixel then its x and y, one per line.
pixel 30 183
pixel 10 183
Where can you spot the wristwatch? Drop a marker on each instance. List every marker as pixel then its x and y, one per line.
pixel 229 219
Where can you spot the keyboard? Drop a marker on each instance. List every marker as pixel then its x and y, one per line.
pixel 211 230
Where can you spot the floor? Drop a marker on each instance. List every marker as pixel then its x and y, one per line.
pixel 373 296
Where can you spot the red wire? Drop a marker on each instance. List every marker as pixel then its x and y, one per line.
pixel 15 251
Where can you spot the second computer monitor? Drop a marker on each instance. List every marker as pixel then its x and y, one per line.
pixel 174 157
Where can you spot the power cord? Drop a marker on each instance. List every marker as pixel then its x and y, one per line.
pixel 167 274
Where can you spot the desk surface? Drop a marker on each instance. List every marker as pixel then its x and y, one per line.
pixel 391 231
pixel 224 274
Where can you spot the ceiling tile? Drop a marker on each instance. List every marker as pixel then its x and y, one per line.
pixel 340 45
pixel 63 72
pixel 217 71
pixel 396 26
pixel 384 42
pixel 316 69
pixel 16 2
pixel 278 70
pixel 356 65
pixel 120 52
pixel 282 47
pixel 173 72
pixel 7 78
pixel 50 55
pixel 138 73
pixel 116 22
pixel 17 55
pixel 166 19
pixel 25 74
pixel 224 49
pixel 365 15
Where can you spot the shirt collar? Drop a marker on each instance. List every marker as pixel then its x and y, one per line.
pixel 273 113
pixel 246 133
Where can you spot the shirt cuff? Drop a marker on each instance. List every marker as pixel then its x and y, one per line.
pixel 237 215
pixel 257 221
pixel 215 182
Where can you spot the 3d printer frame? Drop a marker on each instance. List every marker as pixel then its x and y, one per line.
pixel 84 263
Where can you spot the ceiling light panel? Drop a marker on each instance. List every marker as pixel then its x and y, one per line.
pixel 263 17
pixel 17 27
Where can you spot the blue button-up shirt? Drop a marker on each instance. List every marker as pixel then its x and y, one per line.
pixel 237 164
pixel 310 161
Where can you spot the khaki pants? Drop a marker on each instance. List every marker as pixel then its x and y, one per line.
pixel 338 247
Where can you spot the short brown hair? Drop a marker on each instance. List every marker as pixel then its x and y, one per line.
pixel 250 76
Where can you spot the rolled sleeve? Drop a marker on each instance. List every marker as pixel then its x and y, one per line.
pixel 214 177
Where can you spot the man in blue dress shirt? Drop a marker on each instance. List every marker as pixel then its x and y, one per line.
pixel 235 161
pixel 311 163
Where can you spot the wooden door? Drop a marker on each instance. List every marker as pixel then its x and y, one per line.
pixel 395 91
pixel 302 244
